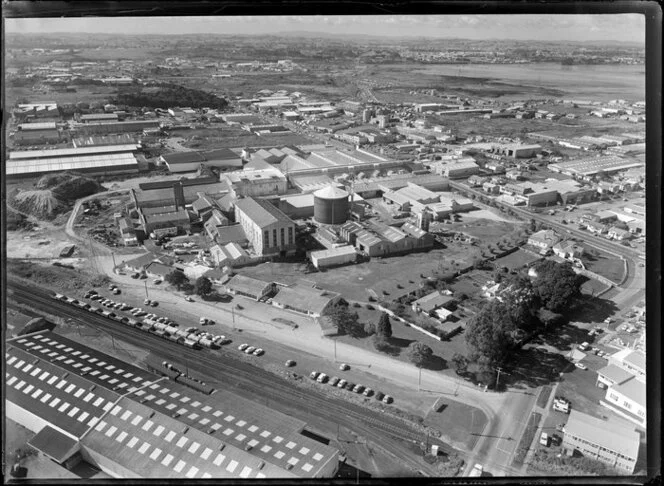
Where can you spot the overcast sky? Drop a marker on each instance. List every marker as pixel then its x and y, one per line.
pixel 617 27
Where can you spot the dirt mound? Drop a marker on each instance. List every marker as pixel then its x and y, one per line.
pixel 42 204
pixel 75 188
pixel 49 181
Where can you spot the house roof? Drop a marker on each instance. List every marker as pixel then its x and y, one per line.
pixel 432 301
pixel 142 260
pixel 230 234
pixel 249 285
pixel 545 236
pixel 261 212
pixel 637 359
pixel 177 216
pixel 304 298
pixel 158 268
pixel 615 437
pixel 220 154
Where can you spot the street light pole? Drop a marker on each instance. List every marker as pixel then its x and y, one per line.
pixel 419 378
pixel 146 289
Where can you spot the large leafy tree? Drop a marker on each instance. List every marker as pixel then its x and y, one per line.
pixel 203 286
pixel 384 327
pixel 177 278
pixel 489 333
pixel 556 284
pixel 346 321
pixel 419 353
pixel 460 363
pixel 521 301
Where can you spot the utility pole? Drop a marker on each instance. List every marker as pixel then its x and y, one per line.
pixel 419 378
pixel 114 264
pixel 335 349
pixel 233 312
pixel 499 370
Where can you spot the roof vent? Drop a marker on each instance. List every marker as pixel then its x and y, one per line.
pixel 186 429
pixel 151 415
pixel 92 387
pixel 261 465
pixel 211 431
pixel 222 447
pixel 289 466
pixel 248 448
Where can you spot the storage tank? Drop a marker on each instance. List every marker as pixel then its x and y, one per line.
pixel 331 205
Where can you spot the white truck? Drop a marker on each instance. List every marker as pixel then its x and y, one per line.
pixel 561 405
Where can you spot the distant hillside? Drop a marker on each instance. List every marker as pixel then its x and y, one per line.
pixel 168 96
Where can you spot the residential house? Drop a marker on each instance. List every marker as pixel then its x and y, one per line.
pixel 544 240
pixel 567 249
pixel 433 301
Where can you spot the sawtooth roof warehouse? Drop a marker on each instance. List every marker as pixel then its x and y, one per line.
pixel 129 423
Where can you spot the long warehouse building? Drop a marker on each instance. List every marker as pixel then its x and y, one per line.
pixel 102 160
pixel 84 405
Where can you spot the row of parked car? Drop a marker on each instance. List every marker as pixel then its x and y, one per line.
pixel 245 348
pixel 347 385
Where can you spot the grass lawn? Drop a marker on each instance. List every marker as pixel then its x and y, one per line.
pixel 526 439
pixel 543 397
pixel 458 421
pixel 605 265
pixel 518 259
pixel 592 287
pixel 489 231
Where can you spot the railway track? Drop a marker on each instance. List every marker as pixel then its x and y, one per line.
pixel 252 382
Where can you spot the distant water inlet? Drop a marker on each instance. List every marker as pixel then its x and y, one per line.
pixel 591 82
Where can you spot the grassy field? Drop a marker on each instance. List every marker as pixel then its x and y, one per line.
pixel 526 439
pixel 605 265
pixel 516 260
pixel 231 137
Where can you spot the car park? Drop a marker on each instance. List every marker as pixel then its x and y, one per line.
pixel 322 378
pixel 334 381
pixel 259 352
pixel 314 375
pixel 342 383
pixel 290 363
pixel 243 346
pixel 388 399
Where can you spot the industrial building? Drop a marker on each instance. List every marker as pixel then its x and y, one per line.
pixel 107 160
pixel 591 166
pixel 177 162
pixel 169 223
pixel 84 405
pixel 332 257
pixel 269 230
pixel 613 444
pixel 92 128
pixel 185 191
pixel 331 205
pixel 249 287
pixel 253 183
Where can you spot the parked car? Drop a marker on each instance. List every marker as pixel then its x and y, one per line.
pixel 368 392
pixel 157 281
pixel 380 396
pixel 243 346
pixel 314 375
pixel 154 303
pixel 134 275
pixel 259 352
pixel 290 363
pixel 544 439
pixel 322 378
pixel 344 367
pixel 147 301
pixel 477 471
pixel 388 399
pixel 342 383
pixel 334 381
pixel 581 366
pixel 188 299
pixel 556 440
pixel 350 385
pixel 358 388
pixel 116 291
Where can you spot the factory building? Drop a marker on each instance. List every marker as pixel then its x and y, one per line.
pixel 331 205
pixel 184 191
pixel 167 223
pixel 269 230
pixel 333 257
pixel 591 166
pixel 84 405
pixel 44 109
pixel 460 169
pixel 224 159
pixel 93 128
pixel 37 134
pixel 253 183
pixel 112 159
